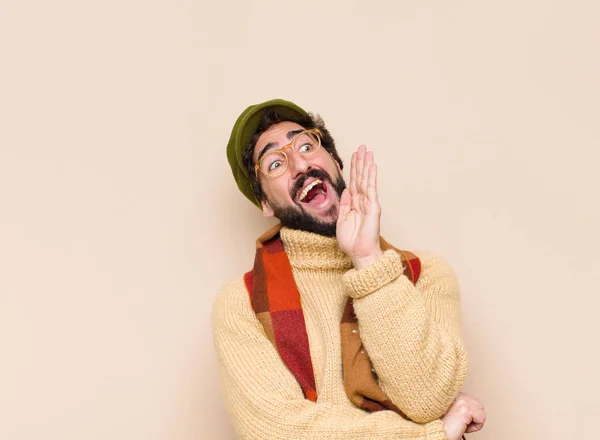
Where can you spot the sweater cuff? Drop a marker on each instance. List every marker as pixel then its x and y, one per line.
pixel 435 430
pixel 361 282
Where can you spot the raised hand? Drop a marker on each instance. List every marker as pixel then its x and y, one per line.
pixel 360 213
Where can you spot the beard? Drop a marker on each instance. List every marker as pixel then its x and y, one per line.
pixel 296 217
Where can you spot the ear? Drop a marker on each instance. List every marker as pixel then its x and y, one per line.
pixel 266 208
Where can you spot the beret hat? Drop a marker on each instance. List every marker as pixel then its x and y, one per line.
pixel 245 127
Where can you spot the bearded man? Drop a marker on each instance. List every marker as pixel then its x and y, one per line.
pixel 334 333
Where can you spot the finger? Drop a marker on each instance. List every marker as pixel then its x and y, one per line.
pixel 352 185
pixel 478 417
pixel 474 427
pixel 345 205
pixel 346 198
pixel 372 183
pixel 365 174
pixel 360 160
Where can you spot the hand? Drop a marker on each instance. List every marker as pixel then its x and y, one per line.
pixel 359 217
pixel 465 415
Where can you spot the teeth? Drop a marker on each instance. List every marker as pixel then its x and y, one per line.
pixel 308 188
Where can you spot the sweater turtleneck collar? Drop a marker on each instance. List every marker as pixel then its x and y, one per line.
pixel 307 250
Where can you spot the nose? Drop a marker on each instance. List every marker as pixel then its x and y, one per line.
pixel 297 164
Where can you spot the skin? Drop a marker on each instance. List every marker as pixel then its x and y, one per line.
pixel 360 213
pixel 357 216
pixel 278 190
pixel 465 415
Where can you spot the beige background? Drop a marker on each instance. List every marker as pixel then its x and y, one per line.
pixel 120 220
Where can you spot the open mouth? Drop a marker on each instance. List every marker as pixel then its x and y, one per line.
pixel 314 193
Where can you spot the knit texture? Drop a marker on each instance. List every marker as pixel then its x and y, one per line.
pixel 411 333
pixel 276 301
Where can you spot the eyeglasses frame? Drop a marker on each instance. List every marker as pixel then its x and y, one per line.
pixel 285 147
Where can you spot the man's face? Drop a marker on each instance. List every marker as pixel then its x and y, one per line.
pixel 285 197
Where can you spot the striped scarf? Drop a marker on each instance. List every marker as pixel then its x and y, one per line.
pixel 276 301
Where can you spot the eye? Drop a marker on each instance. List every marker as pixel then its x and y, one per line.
pixel 274 165
pixel 305 148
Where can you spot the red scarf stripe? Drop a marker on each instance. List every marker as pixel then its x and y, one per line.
pixel 276 302
pixel 258 286
pixel 291 341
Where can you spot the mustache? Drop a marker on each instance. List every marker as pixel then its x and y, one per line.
pixel 317 174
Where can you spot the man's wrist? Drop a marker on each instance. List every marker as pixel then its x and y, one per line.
pixel 360 283
pixel 366 261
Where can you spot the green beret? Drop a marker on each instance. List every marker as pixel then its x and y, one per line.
pixel 245 127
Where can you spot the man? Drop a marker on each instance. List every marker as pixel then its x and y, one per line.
pixel 334 334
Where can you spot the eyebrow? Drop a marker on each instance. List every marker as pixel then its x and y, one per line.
pixel 290 135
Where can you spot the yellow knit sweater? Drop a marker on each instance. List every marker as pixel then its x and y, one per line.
pixel 412 334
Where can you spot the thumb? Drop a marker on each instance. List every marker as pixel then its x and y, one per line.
pixel 345 204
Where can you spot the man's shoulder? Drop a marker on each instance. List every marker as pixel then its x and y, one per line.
pixel 434 266
pixel 429 258
pixel 232 301
pixel 433 263
pixel 234 322
pixel 232 294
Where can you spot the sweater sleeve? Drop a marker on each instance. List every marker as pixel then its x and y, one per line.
pixel 411 333
pixel 265 400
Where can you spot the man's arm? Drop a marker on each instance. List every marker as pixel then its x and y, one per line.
pixel 266 401
pixel 412 333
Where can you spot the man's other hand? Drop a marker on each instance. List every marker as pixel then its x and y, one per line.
pixel 465 415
